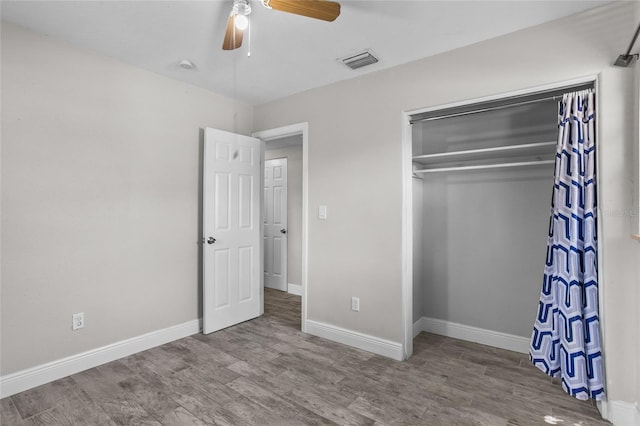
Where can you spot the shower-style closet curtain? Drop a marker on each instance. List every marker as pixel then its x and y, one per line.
pixel 566 334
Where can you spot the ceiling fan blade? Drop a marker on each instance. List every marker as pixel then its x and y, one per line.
pixel 232 36
pixel 318 9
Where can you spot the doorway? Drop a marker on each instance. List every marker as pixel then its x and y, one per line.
pixel 290 142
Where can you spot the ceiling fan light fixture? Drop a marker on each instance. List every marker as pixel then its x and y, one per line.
pixel 241 22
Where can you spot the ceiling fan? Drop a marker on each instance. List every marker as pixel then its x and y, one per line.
pixel 236 24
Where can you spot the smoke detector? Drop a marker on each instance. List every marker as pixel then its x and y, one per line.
pixel 186 64
pixel 359 60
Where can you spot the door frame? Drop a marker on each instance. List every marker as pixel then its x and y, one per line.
pixel 278 133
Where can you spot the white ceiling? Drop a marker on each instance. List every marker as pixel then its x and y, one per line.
pixel 289 53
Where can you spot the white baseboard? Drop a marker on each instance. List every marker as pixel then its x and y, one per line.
pixel 620 413
pixel 357 340
pixel 295 289
pixel 418 327
pixel 473 334
pixel 20 381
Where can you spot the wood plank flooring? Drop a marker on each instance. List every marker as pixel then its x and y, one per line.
pixel 266 372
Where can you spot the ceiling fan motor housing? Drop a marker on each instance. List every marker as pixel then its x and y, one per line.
pixel 241 7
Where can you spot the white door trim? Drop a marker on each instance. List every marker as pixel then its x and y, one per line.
pixel 407 199
pixel 281 132
pixel 407 237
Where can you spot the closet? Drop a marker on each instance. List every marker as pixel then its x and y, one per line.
pixel 482 186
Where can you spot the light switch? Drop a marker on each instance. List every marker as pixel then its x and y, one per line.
pixel 322 212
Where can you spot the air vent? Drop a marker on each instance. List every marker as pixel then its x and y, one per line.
pixel 359 60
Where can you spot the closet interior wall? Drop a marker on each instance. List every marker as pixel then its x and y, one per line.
pixel 480 235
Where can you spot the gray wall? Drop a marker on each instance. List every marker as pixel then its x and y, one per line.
pixel 485 232
pixel 100 198
pixel 293 154
pixel 355 167
pixel 484 243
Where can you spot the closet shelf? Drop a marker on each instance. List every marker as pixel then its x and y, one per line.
pixel 482 153
pixel 484 166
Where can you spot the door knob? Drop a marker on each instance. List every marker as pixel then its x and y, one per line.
pixel 283 231
pixel 211 240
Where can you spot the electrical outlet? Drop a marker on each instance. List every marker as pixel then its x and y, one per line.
pixel 355 304
pixel 77 321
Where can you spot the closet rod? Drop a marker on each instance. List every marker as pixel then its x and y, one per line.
pixel 484 166
pixel 497 104
pixel 494 108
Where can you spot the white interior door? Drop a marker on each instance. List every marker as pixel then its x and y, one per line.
pixel 275 223
pixel 232 254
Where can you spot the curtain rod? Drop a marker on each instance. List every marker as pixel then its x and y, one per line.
pixel 497 104
pixel 626 59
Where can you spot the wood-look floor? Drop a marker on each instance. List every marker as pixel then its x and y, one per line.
pixel 266 372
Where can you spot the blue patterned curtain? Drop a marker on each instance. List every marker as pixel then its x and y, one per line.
pixel 566 334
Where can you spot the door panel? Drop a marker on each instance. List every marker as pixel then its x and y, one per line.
pixel 277 205
pixel 223 195
pixel 275 221
pixel 246 197
pixel 221 283
pixel 231 266
pixel 245 266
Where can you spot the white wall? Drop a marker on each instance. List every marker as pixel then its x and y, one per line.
pixel 355 167
pixel 636 210
pixel 293 154
pixel 100 198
